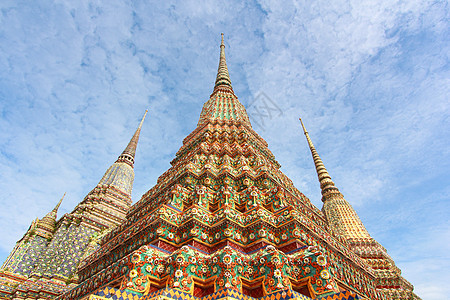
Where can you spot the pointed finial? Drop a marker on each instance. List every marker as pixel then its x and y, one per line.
pixel 338 212
pixel 143 118
pixel 128 154
pixel 223 78
pixel 59 203
pixel 304 129
pixel 46 226
pixel 326 184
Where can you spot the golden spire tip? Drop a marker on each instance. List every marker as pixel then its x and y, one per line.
pixel 143 118
pixel 304 129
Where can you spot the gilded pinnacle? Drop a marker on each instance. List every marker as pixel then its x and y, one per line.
pixel 130 151
pixel 223 81
pixel 46 226
pixel 326 184
pixel 337 210
pixel 223 105
pixel 59 203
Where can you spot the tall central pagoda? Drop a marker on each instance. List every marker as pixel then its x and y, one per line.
pixel 225 222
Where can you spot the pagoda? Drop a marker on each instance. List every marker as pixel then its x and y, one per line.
pixel 44 262
pixel 225 223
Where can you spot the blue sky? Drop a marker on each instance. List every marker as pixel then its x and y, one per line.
pixel 369 78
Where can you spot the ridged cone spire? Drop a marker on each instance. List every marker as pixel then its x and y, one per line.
pixel 46 226
pixel 339 213
pixel 121 175
pixel 326 184
pixel 223 77
pixel 130 151
pixel 223 106
pixel 59 203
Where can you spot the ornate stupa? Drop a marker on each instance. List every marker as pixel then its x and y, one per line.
pixel 43 264
pixel 225 223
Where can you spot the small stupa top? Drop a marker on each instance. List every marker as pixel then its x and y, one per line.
pixel 46 226
pixel 129 153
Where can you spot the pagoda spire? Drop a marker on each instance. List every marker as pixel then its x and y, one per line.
pixel 53 213
pixel 223 81
pixel 59 203
pixel 338 212
pixel 129 153
pixel 326 184
pixel 223 105
pixel 47 225
pixel 120 174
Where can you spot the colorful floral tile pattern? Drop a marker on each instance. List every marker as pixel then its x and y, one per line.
pixel 228 267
